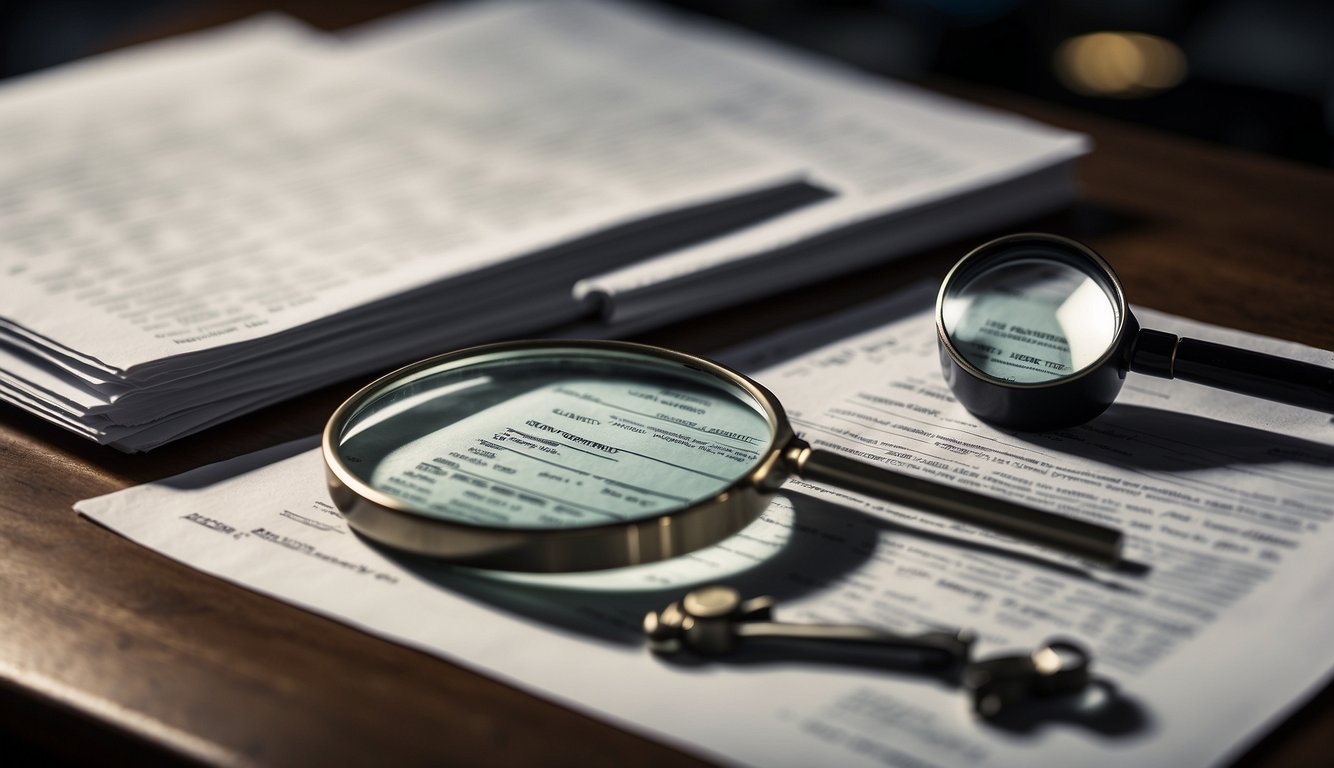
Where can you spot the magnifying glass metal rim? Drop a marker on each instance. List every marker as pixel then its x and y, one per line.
pixel 707 521
pixel 986 251
pixel 694 526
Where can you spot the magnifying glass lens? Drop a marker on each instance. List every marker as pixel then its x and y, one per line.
pixel 1030 320
pixel 552 438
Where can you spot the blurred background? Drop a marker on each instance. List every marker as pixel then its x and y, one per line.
pixel 1252 74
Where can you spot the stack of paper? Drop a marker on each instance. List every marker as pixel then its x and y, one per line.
pixel 200 228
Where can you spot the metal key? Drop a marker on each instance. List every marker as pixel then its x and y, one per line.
pixel 715 620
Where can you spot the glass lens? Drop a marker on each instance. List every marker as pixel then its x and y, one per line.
pixel 555 438
pixel 1030 320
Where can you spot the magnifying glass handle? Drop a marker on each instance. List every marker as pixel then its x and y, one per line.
pixel 1238 370
pixel 1075 537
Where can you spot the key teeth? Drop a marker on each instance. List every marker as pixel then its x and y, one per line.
pixel 652 624
pixel 702 621
pixel 664 631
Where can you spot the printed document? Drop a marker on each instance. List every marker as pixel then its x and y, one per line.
pixel 907 167
pixel 1216 627
pixel 238 211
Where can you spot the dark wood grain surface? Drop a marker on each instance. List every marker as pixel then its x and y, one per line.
pixel 111 653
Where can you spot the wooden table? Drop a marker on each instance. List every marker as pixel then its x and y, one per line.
pixel 112 653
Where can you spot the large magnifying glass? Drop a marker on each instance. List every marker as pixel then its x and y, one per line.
pixel 570 456
pixel 1035 333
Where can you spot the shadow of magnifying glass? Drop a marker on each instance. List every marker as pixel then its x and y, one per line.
pixel 800 546
pixel 1173 442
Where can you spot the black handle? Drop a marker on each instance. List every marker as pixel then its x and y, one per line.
pixel 1238 370
pixel 1076 537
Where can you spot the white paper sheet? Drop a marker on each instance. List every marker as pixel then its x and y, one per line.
pixel 867 137
pixel 884 147
pixel 250 184
pixel 1226 502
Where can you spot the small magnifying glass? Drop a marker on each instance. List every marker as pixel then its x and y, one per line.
pixel 1035 334
pixel 573 456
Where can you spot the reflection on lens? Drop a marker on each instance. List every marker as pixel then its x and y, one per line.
pixel 564 439
pixel 1030 320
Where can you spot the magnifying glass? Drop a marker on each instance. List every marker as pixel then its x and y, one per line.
pixel 1035 333
pixel 571 456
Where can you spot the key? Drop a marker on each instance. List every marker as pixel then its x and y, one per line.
pixel 715 620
